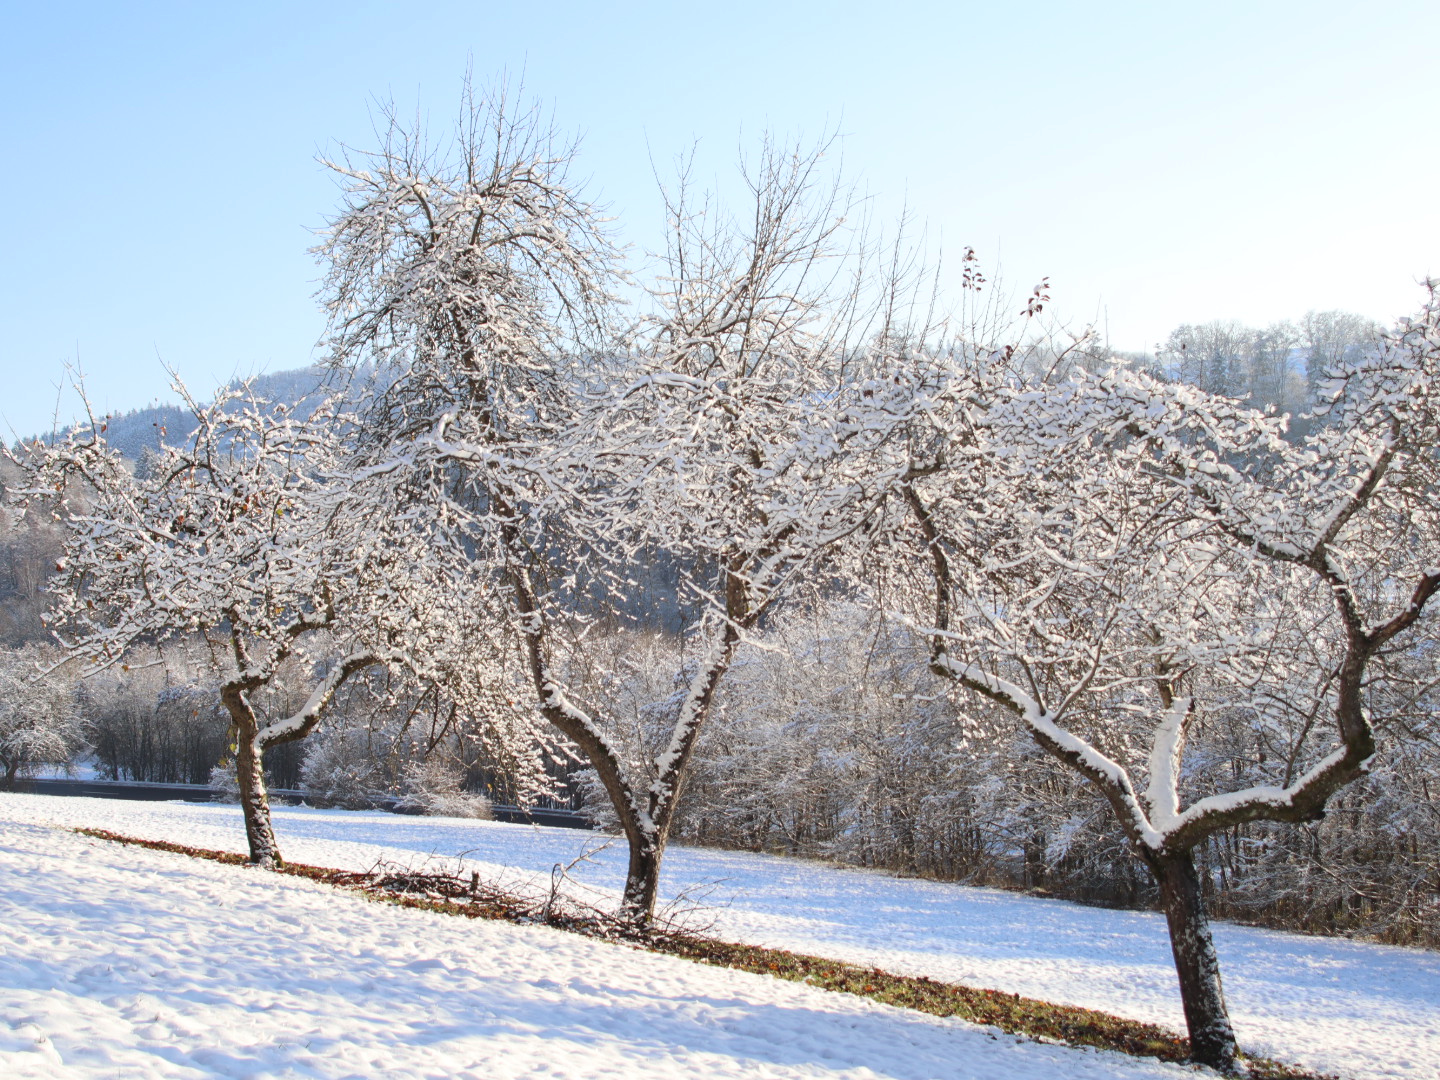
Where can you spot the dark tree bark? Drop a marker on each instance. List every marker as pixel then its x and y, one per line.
pixel 642 882
pixel 1212 1039
pixel 251 742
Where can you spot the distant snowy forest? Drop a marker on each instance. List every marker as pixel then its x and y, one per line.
pixel 787 556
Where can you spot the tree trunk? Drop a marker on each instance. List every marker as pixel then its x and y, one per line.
pixel 255 805
pixel 647 845
pixel 250 774
pixel 1035 860
pixel 642 882
pixel 1212 1039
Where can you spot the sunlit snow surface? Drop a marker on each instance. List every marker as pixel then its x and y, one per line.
pixel 121 962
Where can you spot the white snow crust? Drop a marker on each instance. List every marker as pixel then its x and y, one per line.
pixel 123 962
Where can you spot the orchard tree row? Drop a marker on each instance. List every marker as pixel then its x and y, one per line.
pixel 783 417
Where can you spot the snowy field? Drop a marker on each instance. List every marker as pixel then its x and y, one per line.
pixel 119 962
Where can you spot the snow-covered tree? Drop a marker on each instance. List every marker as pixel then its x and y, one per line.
pixel 819 746
pixel 1121 562
pixel 464 737
pixel 479 283
pixel 470 271
pixel 482 285
pixel 232 537
pixel 1334 337
pixel 39 721
pixel 723 447
pixel 29 546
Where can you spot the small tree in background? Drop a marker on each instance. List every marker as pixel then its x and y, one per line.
pixel 39 721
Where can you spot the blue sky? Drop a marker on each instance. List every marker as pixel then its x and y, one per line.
pixel 1161 163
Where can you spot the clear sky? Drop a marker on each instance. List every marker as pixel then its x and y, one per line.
pixel 1161 163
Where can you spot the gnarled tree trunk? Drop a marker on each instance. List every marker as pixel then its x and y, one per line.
pixel 250 774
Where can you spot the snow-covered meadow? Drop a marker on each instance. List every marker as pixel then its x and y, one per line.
pixel 121 962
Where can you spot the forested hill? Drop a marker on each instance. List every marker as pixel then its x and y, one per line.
pixel 1278 366
pixel 132 432
pixel 31 543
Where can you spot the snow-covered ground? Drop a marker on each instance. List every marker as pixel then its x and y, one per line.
pixel 124 962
